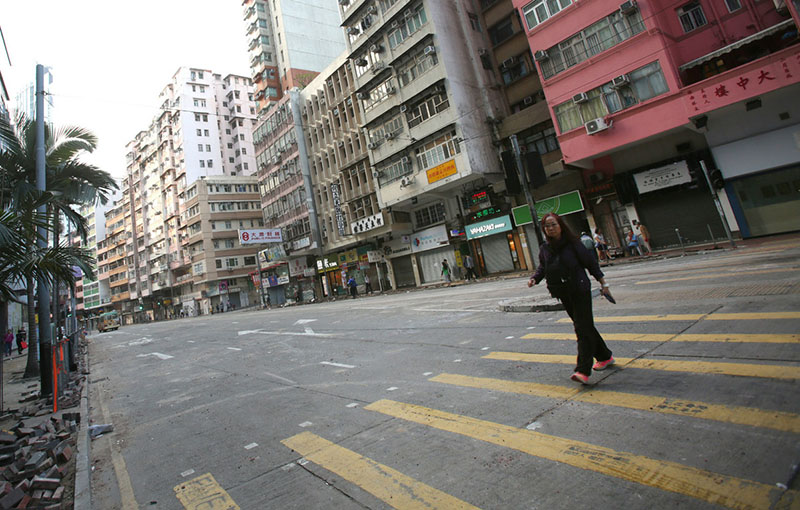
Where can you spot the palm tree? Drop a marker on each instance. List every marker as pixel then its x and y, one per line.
pixel 70 182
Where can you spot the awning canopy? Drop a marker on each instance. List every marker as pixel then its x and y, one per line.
pixel 738 44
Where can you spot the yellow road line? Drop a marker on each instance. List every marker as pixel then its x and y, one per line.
pixel 204 493
pixel 698 367
pixel 387 484
pixel 717 275
pixel 704 485
pixel 677 317
pixel 126 496
pixel 777 420
pixel 686 337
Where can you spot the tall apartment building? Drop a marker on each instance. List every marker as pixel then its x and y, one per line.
pixel 112 259
pixel 92 294
pixel 431 105
pixel 25 99
pixel 643 92
pixel 289 42
pixel 204 130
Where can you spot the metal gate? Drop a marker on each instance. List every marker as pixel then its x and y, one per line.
pixel 497 254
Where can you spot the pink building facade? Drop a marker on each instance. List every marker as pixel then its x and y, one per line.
pixel 642 92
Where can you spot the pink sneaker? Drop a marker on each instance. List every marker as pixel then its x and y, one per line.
pixel 579 377
pixel 602 365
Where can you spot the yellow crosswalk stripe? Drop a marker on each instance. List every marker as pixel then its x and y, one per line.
pixel 776 420
pixel 699 367
pixel 387 484
pixel 704 485
pixel 683 337
pixel 746 316
pixel 204 493
pixel 709 276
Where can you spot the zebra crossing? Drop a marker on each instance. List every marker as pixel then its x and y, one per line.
pixel 402 490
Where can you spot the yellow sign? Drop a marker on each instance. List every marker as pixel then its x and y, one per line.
pixel 439 172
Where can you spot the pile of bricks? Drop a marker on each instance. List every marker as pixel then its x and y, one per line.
pixel 34 405
pixel 33 463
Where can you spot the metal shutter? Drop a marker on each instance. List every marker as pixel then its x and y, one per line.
pixel 497 254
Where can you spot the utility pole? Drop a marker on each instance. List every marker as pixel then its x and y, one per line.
pixel 524 183
pixel 718 204
pixel 45 354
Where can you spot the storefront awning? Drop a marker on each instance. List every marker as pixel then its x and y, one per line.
pixel 738 44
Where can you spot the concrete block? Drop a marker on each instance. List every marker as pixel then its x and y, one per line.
pixel 35 459
pixel 45 483
pixel 43 466
pixel 64 455
pixel 11 499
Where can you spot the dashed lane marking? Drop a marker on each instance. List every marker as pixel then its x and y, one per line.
pixel 697 367
pixel 686 337
pixel 739 415
pixel 204 493
pixel 385 483
pixel 704 485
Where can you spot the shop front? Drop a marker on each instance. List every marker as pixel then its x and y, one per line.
pixel 431 246
pixel 496 245
pixel 301 281
pixel 768 202
pixel 400 268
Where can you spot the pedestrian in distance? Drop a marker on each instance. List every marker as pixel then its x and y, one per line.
pixel 7 341
pixel 269 302
pixel 588 243
pixel 633 244
pixel 643 236
pixel 353 286
pixel 367 285
pixel 563 262
pixel 22 339
pixel 602 247
pixel 445 270
pixel 469 264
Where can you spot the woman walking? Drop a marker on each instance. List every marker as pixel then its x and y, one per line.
pixel 7 341
pixel 563 262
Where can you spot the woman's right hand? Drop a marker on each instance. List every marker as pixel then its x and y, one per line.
pixel 531 283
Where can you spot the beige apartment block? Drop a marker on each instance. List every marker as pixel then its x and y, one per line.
pixel 221 269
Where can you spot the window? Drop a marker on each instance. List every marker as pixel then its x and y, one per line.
pixel 429 215
pixel 202 164
pixel 199 147
pixel 543 141
pixel 540 10
pixel 501 31
pixel 208 148
pixel 415 67
pixel 231 262
pixel 205 132
pixel 210 163
pixel 393 171
pixel 408 26
pixel 250 261
pixel 218 263
pixel 474 22
pixel 427 109
pixel 645 83
pixel 691 16
pixel 437 151
pixel 517 68
pixel 199 132
pixel 733 5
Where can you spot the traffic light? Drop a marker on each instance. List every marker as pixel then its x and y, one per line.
pixel 513 186
pixel 535 169
pixel 716 179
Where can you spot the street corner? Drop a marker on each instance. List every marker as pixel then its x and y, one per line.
pixel 531 304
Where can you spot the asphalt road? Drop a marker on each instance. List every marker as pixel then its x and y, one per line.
pixel 436 399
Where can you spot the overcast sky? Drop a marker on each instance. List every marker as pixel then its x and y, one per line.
pixel 111 59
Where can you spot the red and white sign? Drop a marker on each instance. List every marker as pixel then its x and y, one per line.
pixel 260 236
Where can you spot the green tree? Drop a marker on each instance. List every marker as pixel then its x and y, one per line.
pixel 70 182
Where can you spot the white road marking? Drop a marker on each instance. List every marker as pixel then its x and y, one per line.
pixel 352 405
pixel 187 473
pixel 456 361
pixel 533 426
pixel 454 310
pixel 156 354
pixel 250 446
pixel 190 341
pixel 509 337
pixel 306 424
pixel 287 333
pixel 392 388
pixel 340 365
pixel 279 377
pixel 426 374
pixel 304 321
pixel 141 341
pixel 531 327
pixel 484 348
pixel 234 348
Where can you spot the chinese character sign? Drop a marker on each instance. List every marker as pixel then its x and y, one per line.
pixel 260 236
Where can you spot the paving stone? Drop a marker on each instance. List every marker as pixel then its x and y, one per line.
pixel 35 459
pixel 11 499
pixel 45 483
pixel 6 438
pixel 64 455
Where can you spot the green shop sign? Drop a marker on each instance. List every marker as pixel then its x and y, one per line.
pixel 567 203
pixel 489 227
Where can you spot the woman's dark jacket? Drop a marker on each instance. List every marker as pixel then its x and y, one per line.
pixel 575 257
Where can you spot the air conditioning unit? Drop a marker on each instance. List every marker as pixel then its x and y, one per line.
pixel 376 48
pixel 389 136
pixel 483 51
pixel 390 90
pixel 429 50
pixel 362 95
pixel 541 56
pixel 372 146
pixel 596 125
pixel 377 174
pixel 508 63
pixel 378 66
pixel 281 150
pixel 403 109
pixel 620 81
pixel 353 31
pixel 580 98
pixel 336 111
pixel 361 62
pixel 528 100
pixel 372 9
pixel 628 7
pixel 405 160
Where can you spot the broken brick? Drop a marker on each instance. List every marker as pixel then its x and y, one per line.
pixel 11 499
pixel 46 483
